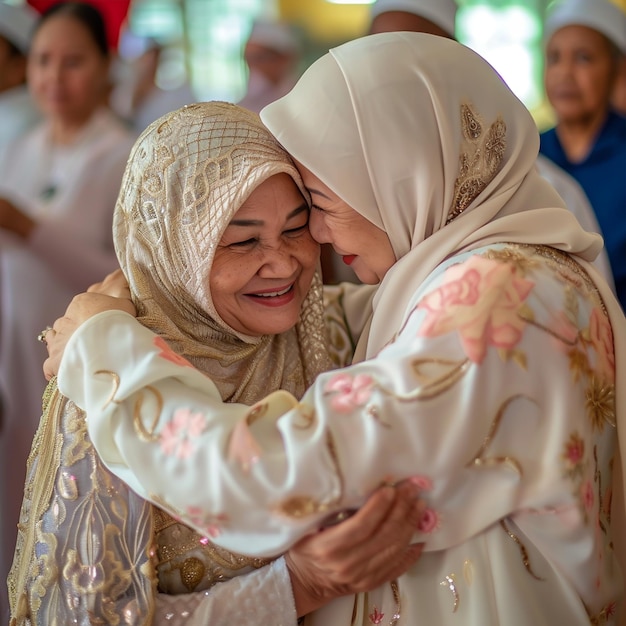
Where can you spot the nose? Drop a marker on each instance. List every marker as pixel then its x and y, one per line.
pixel 318 228
pixel 279 262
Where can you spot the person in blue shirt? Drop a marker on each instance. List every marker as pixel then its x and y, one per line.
pixel 585 43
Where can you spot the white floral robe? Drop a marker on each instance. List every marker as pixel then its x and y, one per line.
pixel 497 396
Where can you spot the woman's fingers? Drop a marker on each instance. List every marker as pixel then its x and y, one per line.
pixel 114 284
pixel 361 553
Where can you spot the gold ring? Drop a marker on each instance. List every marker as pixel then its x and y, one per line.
pixel 42 335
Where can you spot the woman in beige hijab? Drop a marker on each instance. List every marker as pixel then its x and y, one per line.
pixel 199 185
pixel 485 369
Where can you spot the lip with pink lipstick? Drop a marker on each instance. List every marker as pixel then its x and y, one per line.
pixel 278 296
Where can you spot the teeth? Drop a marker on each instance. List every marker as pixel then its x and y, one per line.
pixel 271 294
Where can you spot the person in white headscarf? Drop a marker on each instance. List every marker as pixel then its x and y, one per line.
pixel 585 43
pixel 485 368
pixel 272 54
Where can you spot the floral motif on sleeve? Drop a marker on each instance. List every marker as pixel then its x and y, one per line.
pixel 178 434
pixel 601 338
pixel 349 392
pixel 483 300
pixel 169 354
pixel 243 447
pixel 575 468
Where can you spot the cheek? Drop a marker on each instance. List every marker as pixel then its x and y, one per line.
pixel 227 278
pixel 307 251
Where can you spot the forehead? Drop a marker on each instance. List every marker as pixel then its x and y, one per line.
pixel 576 36
pixel 276 197
pixel 65 33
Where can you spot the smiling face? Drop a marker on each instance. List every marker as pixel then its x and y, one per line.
pixel 580 72
pixel 362 245
pixel 265 261
pixel 67 72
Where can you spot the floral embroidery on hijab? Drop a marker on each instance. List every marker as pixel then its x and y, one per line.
pixel 481 156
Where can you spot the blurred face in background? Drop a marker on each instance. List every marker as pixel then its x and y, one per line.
pixel 67 71
pixel 580 73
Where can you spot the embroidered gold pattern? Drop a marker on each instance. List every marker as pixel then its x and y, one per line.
pixel 480 159
pixel 396 598
pixel 450 582
pixel 147 434
pixel 480 461
pixel 522 549
pixel 600 403
pixel 116 386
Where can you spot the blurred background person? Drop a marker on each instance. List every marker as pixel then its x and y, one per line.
pixel 17 110
pixel 585 43
pixel 58 187
pixel 435 17
pixel 137 97
pixel 272 54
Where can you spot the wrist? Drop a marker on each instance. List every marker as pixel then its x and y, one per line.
pixel 305 598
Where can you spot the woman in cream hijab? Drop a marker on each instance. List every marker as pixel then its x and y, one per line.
pixel 485 368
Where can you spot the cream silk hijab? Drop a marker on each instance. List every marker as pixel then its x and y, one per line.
pixel 422 137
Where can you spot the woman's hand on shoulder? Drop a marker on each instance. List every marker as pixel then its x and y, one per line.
pixel 112 294
pixel 367 550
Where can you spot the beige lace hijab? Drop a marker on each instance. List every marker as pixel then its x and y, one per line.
pixel 187 176
pixel 86 543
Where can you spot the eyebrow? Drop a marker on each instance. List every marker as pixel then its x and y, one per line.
pixel 318 193
pixel 235 222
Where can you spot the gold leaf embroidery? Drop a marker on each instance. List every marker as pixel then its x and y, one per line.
pixel 522 549
pixel 479 161
pixel 600 403
pixel 116 386
pixel 450 582
pixel 147 434
pixel 479 460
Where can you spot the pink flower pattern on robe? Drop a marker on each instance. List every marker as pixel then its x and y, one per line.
pixel 349 392
pixel 243 447
pixel 601 336
pixel 480 299
pixel 177 436
pixel 169 354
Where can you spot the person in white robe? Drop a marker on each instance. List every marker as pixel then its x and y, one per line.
pixel 58 184
pixel 486 363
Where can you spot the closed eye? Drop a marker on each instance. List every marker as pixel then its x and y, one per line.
pixel 242 244
pixel 317 208
pixel 297 230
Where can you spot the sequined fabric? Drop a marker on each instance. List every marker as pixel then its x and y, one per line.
pixel 84 540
